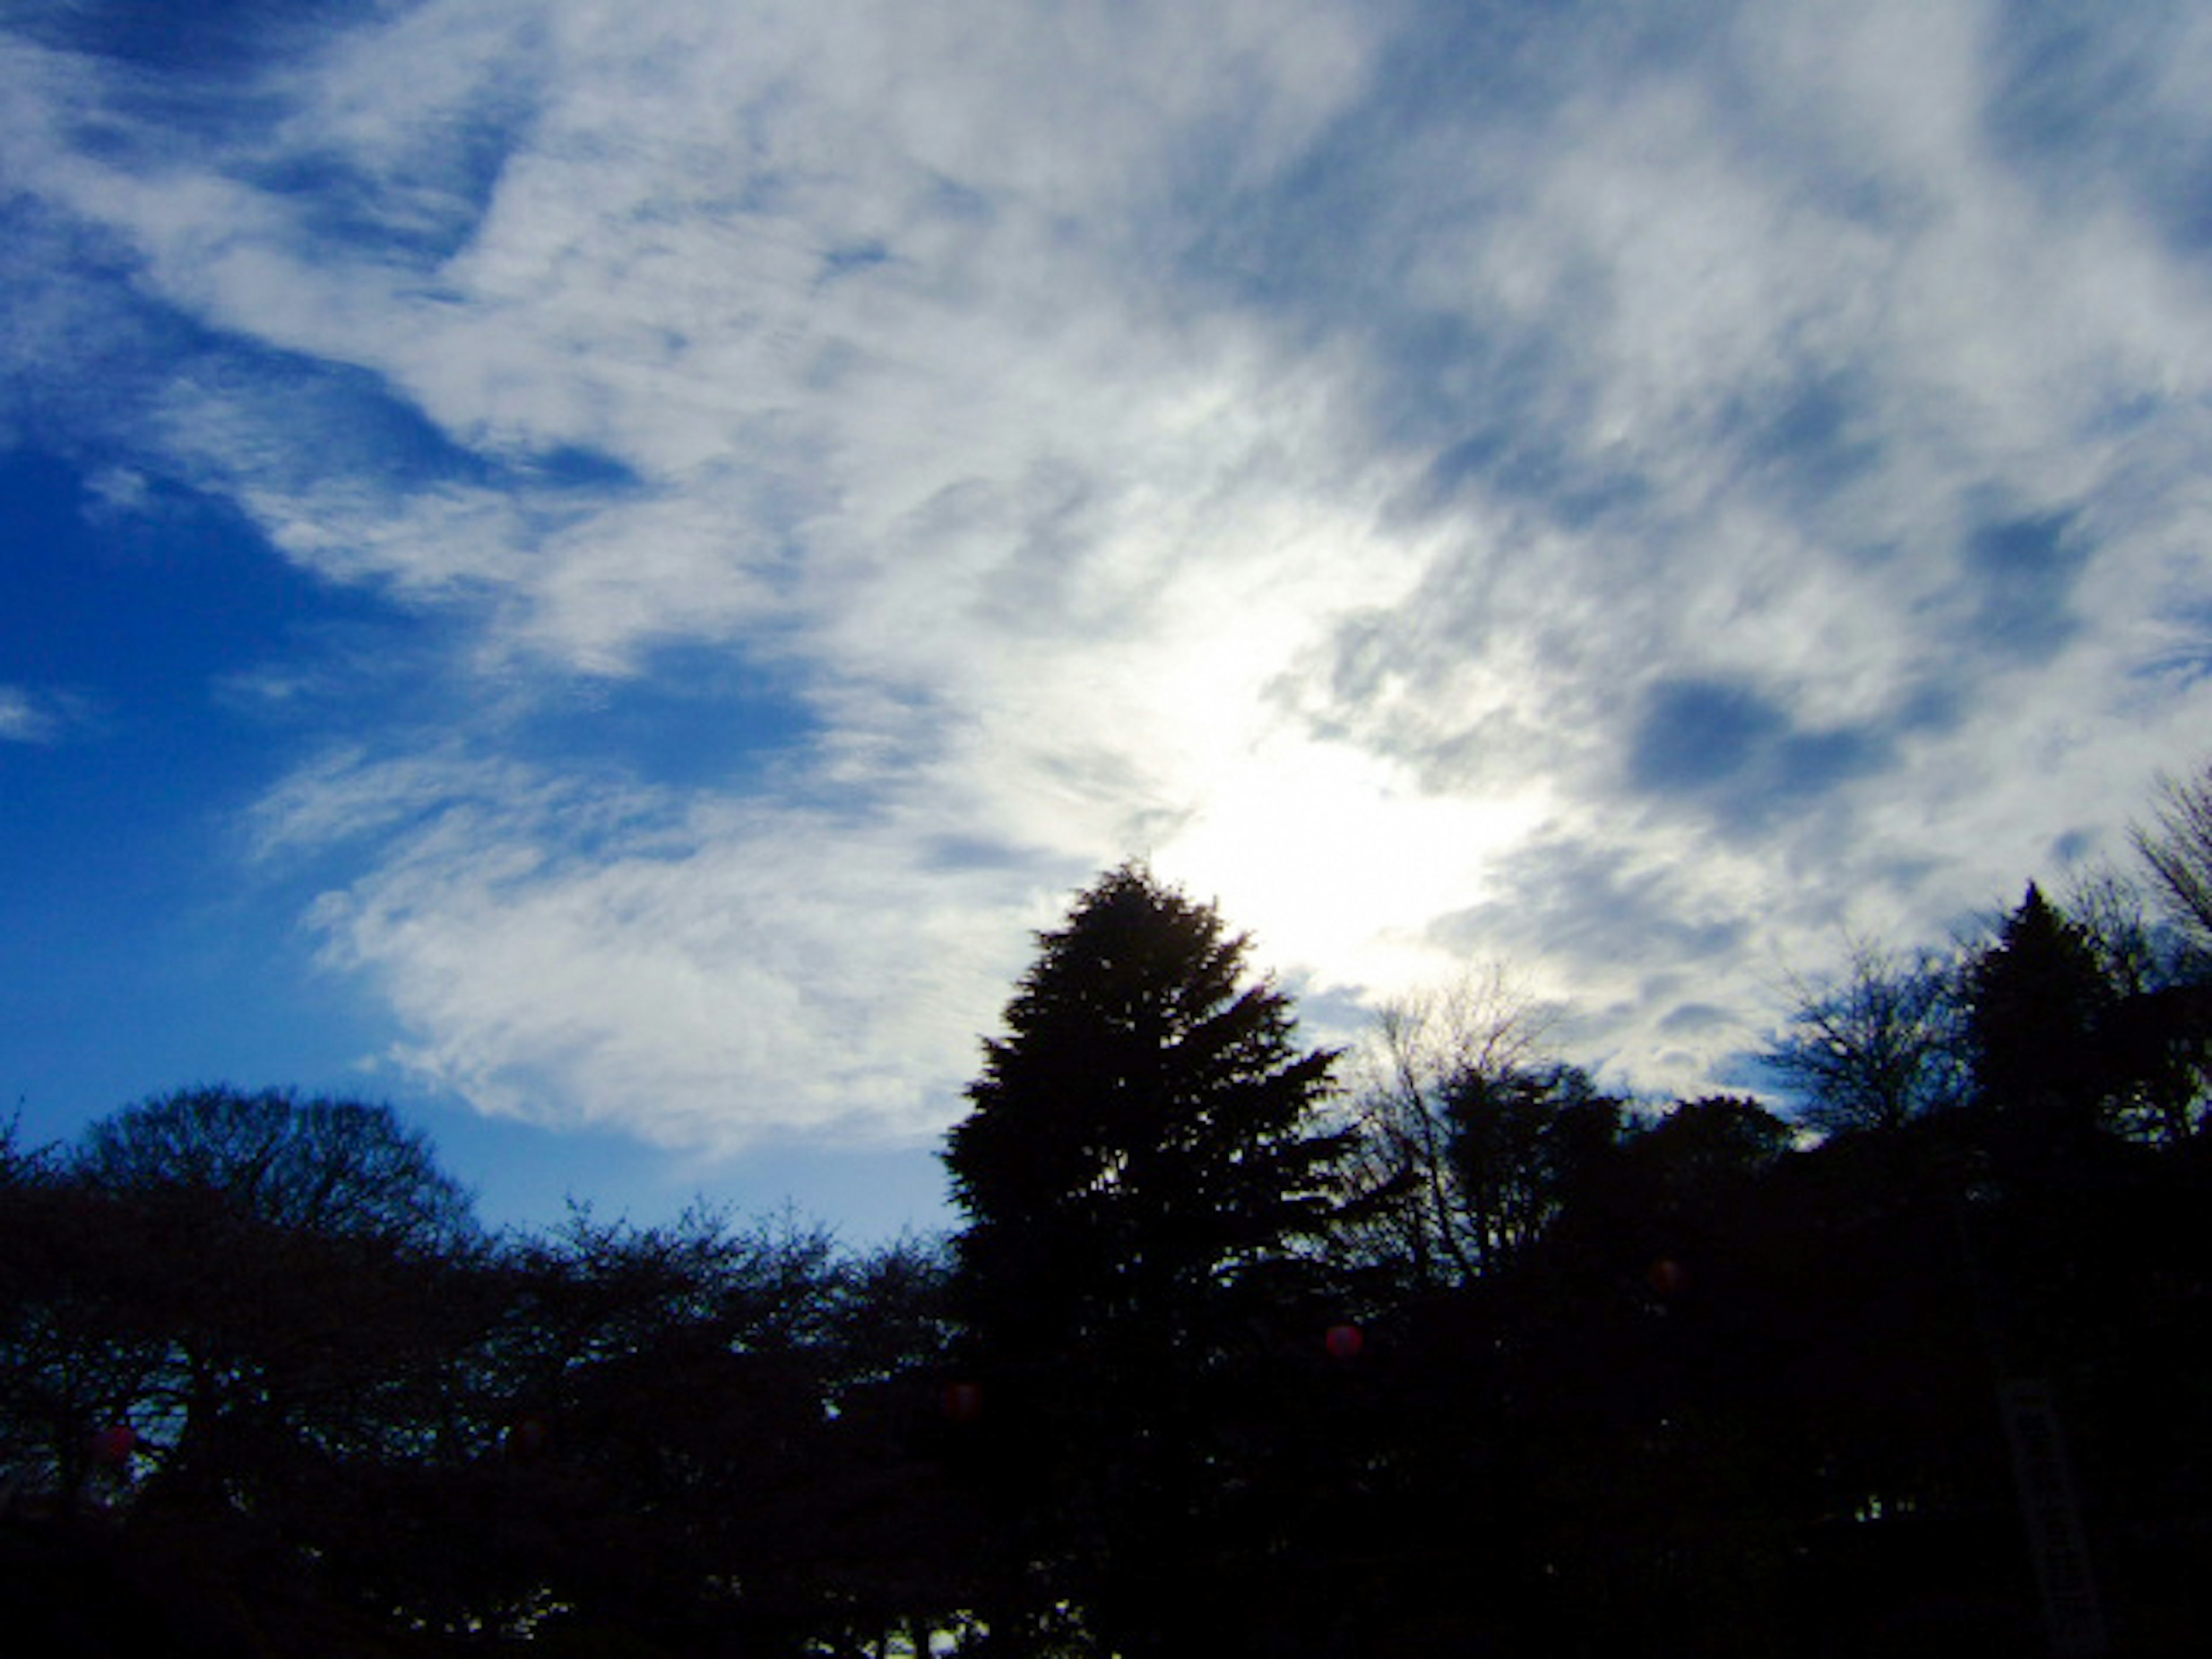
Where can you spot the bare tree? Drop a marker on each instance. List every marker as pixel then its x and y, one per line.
pixel 318 1164
pixel 1879 1043
pixel 1480 1030
pixel 2177 845
pixel 2137 953
pixel 2156 1039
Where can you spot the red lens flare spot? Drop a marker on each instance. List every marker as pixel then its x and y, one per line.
pixel 111 1446
pixel 963 1401
pixel 1344 1342
pixel 1667 1277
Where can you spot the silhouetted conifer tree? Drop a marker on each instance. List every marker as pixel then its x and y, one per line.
pixel 2037 1000
pixel 1142 1176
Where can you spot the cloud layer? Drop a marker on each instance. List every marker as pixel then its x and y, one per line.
pixel 1636 497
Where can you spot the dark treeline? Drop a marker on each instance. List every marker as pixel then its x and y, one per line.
pixel 1243 1347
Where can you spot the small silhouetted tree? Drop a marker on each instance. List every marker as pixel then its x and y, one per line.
pixel 1414 1225
pixel 1880 1044
pixel 2155 1038
pixel 1524 1144
pixel 2037 1000
pixel 657 1412
pixel 1703 1154
pixel 250 1319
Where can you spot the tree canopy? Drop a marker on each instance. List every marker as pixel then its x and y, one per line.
pixel 320 1165
pixel 1146 1186
pixel 1145 1133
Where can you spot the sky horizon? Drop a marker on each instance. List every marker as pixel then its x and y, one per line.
pixel 596 572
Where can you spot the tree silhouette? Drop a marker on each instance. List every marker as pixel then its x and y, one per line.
pixel 2037 1000
pixel 1143 1181
pixel 1143 1138
pixel 318 1164
pixel 278 1246
pixel 1417 1225
pixel 251 1313
pixel 1876 1046
pixel 1523 1142
pixel 2177 847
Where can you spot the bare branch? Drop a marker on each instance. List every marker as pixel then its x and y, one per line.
pixel 2177 847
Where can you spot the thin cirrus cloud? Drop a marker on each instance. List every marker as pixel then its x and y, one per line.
pixel 1635 495
pixel 28 718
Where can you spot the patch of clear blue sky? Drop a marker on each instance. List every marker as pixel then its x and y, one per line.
pixel 526 1177
pixel 136 953
pixel 141 950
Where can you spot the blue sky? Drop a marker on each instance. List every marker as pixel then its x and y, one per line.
pixel 594 570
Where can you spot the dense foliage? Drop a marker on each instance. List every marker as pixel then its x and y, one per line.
pixel 1243 1347
pixel 1146 1186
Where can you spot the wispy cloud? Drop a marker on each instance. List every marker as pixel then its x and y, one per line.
pixel 1633 495
pixel 22 720
pixel 44 715
pixel 699 971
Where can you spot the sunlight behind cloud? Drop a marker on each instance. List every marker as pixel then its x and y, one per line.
pixel 1338 862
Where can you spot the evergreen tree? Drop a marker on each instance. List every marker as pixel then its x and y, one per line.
pixel 1142 1141
pixel 2038 998
pixel 1142 1179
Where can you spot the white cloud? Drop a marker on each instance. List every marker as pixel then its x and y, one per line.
pixel 44 715
pixel 698 972
pixel 22 720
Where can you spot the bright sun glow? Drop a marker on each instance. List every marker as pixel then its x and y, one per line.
pixel 1337 862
